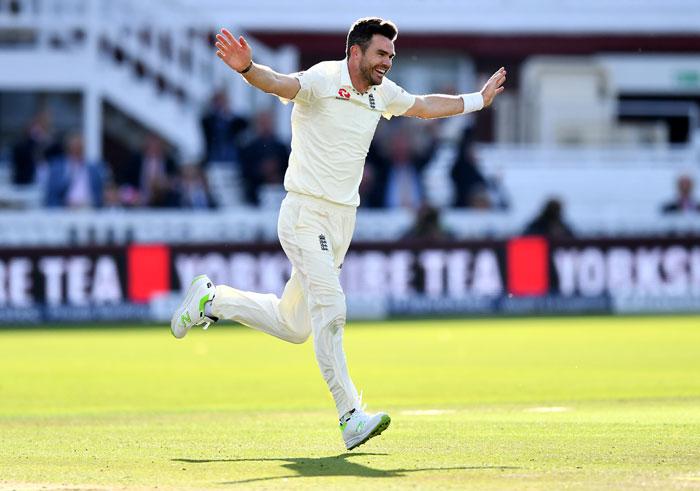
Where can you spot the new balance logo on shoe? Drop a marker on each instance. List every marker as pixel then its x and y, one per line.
pixel 324 243
pixel 190 313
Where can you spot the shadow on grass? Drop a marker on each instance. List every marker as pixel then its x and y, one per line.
pixel 338 465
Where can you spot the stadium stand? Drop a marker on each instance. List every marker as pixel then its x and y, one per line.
pixel 598 130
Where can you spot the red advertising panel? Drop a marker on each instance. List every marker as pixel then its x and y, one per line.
pixel 528 270
pixel 148 270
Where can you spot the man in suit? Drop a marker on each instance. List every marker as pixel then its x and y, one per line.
pixel 684 202
pixel 72 180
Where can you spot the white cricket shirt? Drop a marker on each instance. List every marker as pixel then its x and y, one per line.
pixel 332 128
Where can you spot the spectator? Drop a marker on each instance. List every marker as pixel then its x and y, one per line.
pixel 427 226
pixel 684 201
pixel 374 176
pixel 72 181
pixel 263 159
pixel 222 130
pixel 368 185
pixel 498 198
pixel 150 180
pixel 473 189
pixel 29 152
pixel 467 179
pixel 403 186
pixel 480 198
pixel 550 222
pixel 194 189
pixel 112 199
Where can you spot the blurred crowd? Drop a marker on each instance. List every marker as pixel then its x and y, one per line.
pixel 394 174
pixel 58 164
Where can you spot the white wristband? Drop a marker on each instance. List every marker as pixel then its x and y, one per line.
pixel 472 102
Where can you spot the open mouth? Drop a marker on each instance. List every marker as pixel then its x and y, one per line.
pixel 380 71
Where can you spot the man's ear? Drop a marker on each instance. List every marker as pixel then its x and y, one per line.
pixel 354 51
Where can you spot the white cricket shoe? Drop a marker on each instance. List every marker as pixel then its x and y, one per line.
pixel 362 426
pixel 190 313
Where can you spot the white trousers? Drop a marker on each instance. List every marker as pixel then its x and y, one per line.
pixel 315 235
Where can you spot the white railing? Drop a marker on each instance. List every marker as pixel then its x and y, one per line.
pixel 533 155
pixel 604 184
pixel 120 48
pixel 62 228
pixel 594 184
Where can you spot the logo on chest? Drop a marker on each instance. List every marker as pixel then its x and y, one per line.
pixel 372 104
pixel 343 94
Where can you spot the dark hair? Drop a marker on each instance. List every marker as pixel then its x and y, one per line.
pixel 363 29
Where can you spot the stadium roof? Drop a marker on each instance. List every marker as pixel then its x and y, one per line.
pixel 457 16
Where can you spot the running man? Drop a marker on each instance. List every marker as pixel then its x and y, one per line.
pixel 337 105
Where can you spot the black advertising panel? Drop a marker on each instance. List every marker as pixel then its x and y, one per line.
pixel 523 275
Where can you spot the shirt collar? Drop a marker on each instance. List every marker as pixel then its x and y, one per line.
pixel 345 80
pixel 345 74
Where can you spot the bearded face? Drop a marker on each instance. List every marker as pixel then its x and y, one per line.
pixel 372 73
pixel 376 60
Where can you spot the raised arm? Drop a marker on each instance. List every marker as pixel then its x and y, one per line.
pixel 236 53
pixel 442 106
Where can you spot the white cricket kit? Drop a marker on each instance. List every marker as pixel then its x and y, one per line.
pixel 332 128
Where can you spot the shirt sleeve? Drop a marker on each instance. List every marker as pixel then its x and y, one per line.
pixel 312 81
pixel 397 100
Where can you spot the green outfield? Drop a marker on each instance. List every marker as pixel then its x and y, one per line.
pixel 556 403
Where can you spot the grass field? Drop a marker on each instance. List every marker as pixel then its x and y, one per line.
pixel 575 403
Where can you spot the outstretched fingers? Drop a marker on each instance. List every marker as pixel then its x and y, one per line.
pixel 222 40
pixel 235 52
pixel 226 43
pixel 494 86
pixel 229 36
pixel 222 46
pixel 499 78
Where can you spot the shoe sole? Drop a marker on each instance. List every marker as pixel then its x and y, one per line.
pixel 383 425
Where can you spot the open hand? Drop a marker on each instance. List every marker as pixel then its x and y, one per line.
pixel 493 86
pixel 234 52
